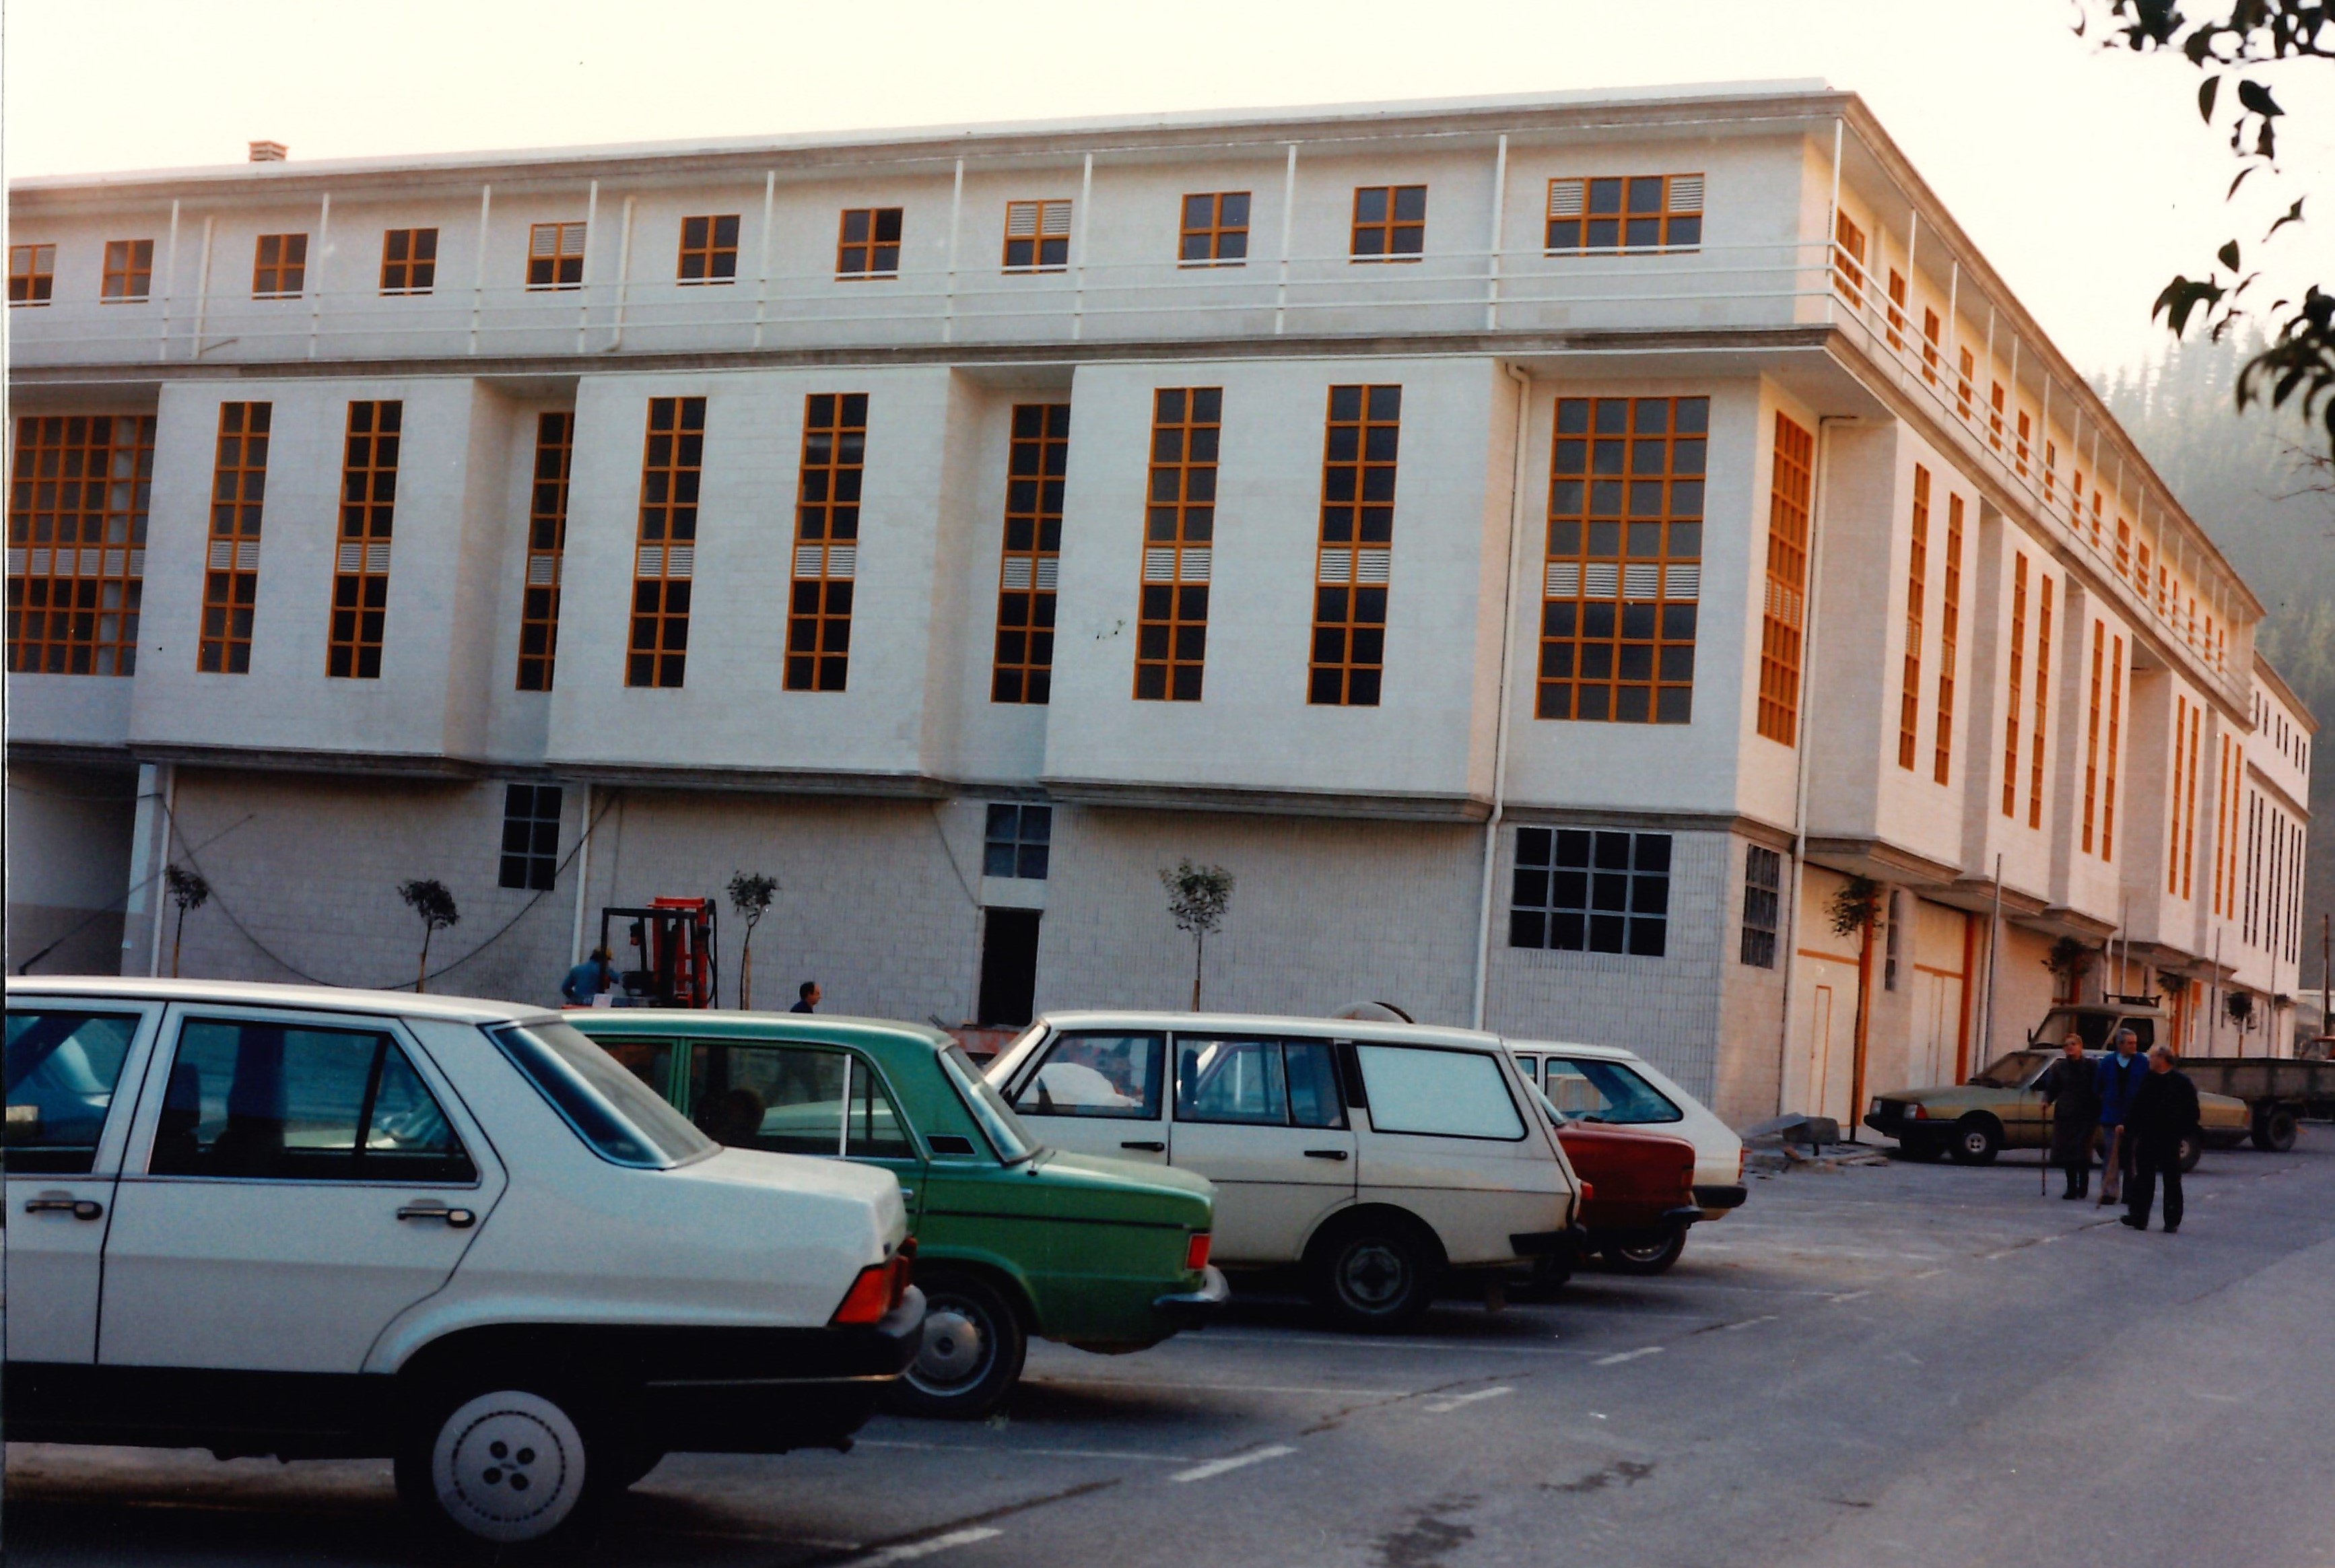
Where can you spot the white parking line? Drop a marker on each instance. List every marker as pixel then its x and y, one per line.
pixel 1014 1451
pixel 1851 1296
pixel 909 1550
pixel 1627 1356
pixel 1218 1467
pixel 1217 1387
pixel 1445 1406
pixel 1749 1322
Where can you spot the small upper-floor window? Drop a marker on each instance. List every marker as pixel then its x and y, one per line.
pixel 128 275
pixel 1848 259
pixel 1037 235
pixel 1390 222
pixel 530 856
pixel 709 249
pixel 554 256
pixel 409 260
pixel 1214 229
pixel 1017 840
pixel 867 243
pixel 1633 212
pixel 279 265
pixel 1582 891
pixel 31 273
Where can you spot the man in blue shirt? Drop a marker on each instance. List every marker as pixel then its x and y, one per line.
pixel 588 979
pixel 2119 1078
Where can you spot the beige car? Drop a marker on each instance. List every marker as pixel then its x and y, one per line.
pixel 1373 1156
pixel 2002 1107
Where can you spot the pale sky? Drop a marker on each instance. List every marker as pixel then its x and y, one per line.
pixel 2087 180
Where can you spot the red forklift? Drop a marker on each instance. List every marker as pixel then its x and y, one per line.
pixel 670 956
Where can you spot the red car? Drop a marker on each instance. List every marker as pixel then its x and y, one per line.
pixel 1638 1194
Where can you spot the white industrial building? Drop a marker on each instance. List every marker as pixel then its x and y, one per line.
pixel 1543 547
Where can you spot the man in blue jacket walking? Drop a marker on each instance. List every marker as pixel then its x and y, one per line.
pixel 2119 1078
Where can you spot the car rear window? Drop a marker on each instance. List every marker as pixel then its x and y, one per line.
pixel 621 1119
pixel 1591 1089
pixel 1445 1093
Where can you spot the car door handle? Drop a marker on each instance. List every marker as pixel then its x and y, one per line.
pixel 456 1219
pixel 65 1204
pixel 1150 1144
pixel 1326 1154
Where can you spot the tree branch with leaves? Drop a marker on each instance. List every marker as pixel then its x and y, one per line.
pixel 429 898
pixel 1198 898
pixel 750 893
pixel 190 891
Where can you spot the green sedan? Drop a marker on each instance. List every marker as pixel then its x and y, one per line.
pixel 1012 1238
pixel 2000 1108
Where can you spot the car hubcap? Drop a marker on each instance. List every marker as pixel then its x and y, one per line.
pixel 956 1351
pixel 509 1465
pixel 1647 1253
pixel 1373 1276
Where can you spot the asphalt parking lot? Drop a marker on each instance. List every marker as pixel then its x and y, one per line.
pixel 1889 1364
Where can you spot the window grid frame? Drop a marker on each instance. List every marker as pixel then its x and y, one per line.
pixel 406 272
pixel 820 604
pixel 1172 611
pixel 239 500
pixel 547 548
pixel 871 247
pixel 1783 612
pixel 1215 232
pixel 2189 831
pixel 1848 259
pixel 1022 655
pixel 555 269
pixel 2042 700
pixel 534 863
pixel 2116 716
pixel 2015 690
pixel 1669 216
pixel 673 459
pixel 126 273
pixel 1763 893
pixel 1548 854
pixel 1950 622
pixel 710 251
pixel 35 283
pixel 54 454
pixel 1351 679
pixel 1389 227
pixel 2092 735
pixel 1917 567
pixel 360 602
pixel 1023 849
pixel 282 272
pixel 1044 242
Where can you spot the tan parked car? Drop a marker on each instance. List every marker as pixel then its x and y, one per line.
pixel 2001 1109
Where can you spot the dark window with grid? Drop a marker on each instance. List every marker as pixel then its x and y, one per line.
pixel 867 242
pixel 709 249
pixel 1763 886
pixel 1214 229
pixel 1625 565
pixel 1036 462
pixel 361 566
pixel 231 569
pixel 547 544
pixel 279 265
pixel 1016 841
pixel 1171 635
pixel 128 275
pixel 1352 563
pixel 665 556
pixel 827 541
pixel 32 273
pixel 530 836
pixel 1582 891
pixel 554 256
pixel 1390 222
pixel 409 260
pixel 1638 212
pixel 77 543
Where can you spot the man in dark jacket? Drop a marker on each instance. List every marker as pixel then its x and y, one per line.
pixel 2071 1094
pixel 2163 1110
pixel 2120 1075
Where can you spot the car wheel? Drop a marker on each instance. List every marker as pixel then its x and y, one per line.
pixel 2274 1131
pixel 1977 1140
pixel 1648 1257
pixel 1926 1150
pixel 1374 1278
pixel 2191 1150
pixel 971 1353
pixel 505 1467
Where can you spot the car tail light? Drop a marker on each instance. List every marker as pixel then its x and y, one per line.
pixel 1196 1251
pixel 879 1288
pixel 1742 1158
pixel 1920 1113
pixel 1587 1192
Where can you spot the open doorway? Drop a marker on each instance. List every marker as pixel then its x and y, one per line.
pixel 1009 965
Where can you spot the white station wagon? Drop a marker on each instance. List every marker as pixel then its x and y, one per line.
pixel 1375 1157
pixel 454 1234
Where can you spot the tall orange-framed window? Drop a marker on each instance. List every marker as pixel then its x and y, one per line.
pixel 1352 559
pixel 2026 435
pixel 1784 610
pixel 546 547
pixel 709 249
pixel 867 242
pixel 1214 229
pixel 1623 574
pixel 2173 849
pixel 1037 462
pixel 77 499
pixel 1390 223
pixel 2108 784
pixel 1171 633
pixel 128 275
pixel 1848 259
pixel 1950 623
pixel 2189 812
pixel 1994 411
pixel 1930 329
pixel 362 552
pixel 2015 688
pixel 1896 309
pixel 2042 705
pixel 1917 567
pixel 2220 823
pixel 1965 368
pixel 232 565
pixel 827 541
pixel 32 273
pixel 279 265
pixel 409 261
pixel 665 551
pixel 2092 735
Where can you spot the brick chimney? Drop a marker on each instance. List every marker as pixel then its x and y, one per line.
pixel 268 151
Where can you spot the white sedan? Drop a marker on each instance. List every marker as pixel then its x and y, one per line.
pixel 1611 1087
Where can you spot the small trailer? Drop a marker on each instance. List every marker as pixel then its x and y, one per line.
pixel 2279 1091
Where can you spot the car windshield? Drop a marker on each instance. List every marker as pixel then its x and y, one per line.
pixel 1007 1135
pixel 2012 1071
pixel 622 1120
pixel 1591 1089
